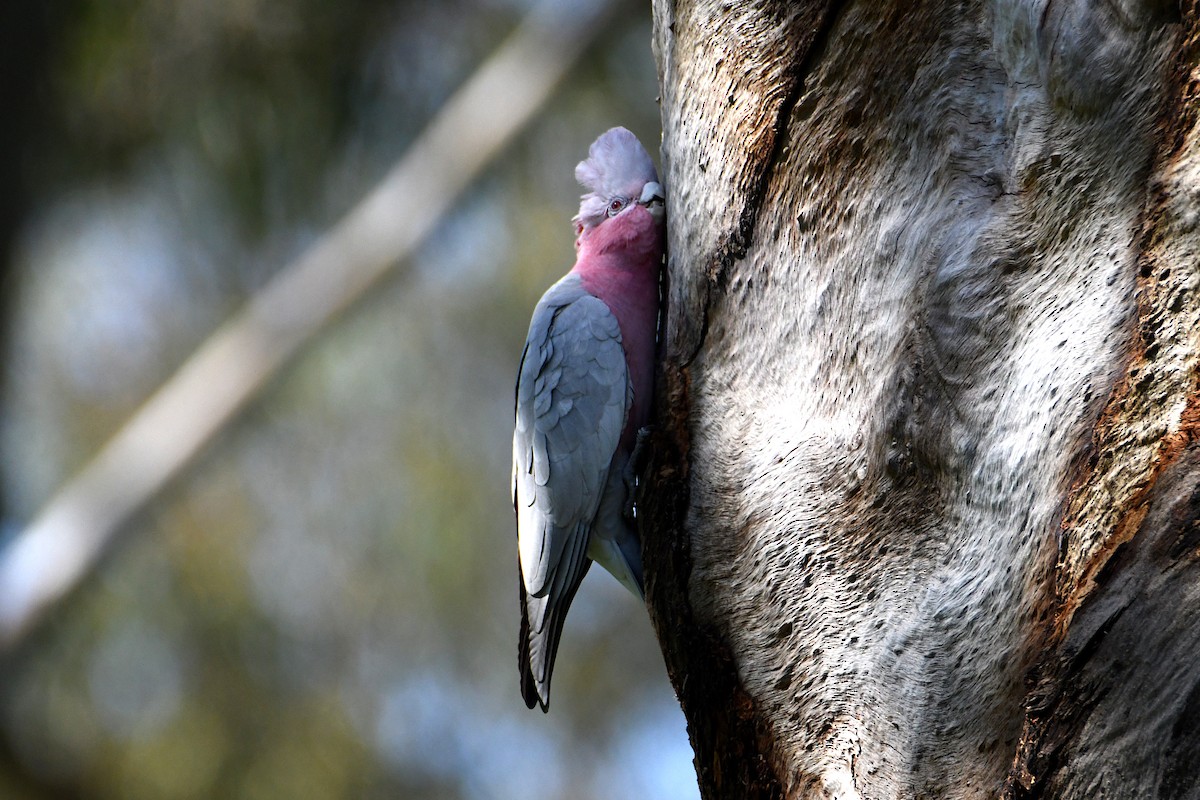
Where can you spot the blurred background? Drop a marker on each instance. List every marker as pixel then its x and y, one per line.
pixel 324 605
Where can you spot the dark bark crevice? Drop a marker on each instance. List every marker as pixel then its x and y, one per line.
pixel 809 37
pixel 1124 671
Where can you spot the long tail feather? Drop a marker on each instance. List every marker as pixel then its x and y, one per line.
pixel 542 622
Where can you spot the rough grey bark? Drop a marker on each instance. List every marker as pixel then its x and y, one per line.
pixel 921 517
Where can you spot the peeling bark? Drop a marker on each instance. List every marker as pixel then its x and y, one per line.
pixel 926 449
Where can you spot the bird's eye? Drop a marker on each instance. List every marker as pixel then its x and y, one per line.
pixel 615 206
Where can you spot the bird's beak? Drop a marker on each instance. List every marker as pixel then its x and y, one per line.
pixel 653 199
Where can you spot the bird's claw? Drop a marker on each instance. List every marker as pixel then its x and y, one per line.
pixel 633 468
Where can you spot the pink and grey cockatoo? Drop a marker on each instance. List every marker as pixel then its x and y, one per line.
pixel 583 393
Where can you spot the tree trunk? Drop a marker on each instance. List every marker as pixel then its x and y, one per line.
pixel 921 513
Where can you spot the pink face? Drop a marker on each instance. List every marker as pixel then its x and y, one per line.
pixel 636 230
pixel 626 219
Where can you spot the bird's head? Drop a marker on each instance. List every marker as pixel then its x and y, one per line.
pixel 620 177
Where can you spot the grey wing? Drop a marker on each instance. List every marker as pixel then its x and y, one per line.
pixel 573 395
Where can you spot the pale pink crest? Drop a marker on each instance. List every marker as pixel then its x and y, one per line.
pixel 617 166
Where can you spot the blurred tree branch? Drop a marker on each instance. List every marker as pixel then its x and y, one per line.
pixel 57 549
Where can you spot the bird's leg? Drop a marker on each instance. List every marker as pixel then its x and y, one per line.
pixel 633 468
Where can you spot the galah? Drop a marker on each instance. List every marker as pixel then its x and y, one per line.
pixel 583 394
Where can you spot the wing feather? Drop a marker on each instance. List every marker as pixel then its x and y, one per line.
pixel 572 400
pixel 573 397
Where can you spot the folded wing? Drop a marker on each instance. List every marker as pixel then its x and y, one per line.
pixel 573 395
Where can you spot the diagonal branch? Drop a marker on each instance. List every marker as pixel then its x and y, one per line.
pixel 62 543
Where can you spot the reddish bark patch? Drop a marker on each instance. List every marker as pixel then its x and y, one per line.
pixel 1158 302
pixel 1061 701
